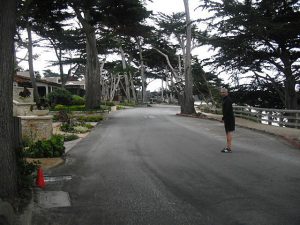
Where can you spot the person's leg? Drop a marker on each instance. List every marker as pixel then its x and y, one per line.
pixel 229 139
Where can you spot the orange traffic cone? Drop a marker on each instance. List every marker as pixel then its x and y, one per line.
pixel 40 180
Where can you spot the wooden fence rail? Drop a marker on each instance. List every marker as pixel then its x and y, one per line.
pixel 275 117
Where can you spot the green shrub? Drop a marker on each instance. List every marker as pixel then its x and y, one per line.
pixel 54 147
pixel 69 108
pixel 77 108
pixel 109 103
pixel 66 127
pixel 70 137
pixel 77 100
pixel 60 96
pixel 57 142
pixel 89 118
pixel 55 118
pixel 87 125
pixel 119 107
pixel 25 171
pixel 59 107
pixel 105 107
pixel 128 103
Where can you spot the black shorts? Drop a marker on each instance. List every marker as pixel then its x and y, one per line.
pixel 229 125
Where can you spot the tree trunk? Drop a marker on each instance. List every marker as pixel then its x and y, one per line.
pixel 127 88
pixel 8 169
pixel 114 86
pixel 142 71
pixel 132 88
pixel 162 90
pixel 290 81
pixel 30 64
pixel 187 104
pixel 92 78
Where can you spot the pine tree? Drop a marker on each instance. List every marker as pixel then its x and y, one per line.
pixel 259 37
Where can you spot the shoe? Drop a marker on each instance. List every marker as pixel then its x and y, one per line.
pixel 226 150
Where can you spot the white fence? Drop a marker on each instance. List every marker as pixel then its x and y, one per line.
pixel 275 117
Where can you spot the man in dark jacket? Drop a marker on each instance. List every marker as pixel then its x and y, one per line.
pixel 228 118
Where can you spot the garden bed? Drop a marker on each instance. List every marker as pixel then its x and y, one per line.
pixel 46 163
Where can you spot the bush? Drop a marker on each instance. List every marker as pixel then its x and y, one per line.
pixel 128 103
pixel 54 147
pixel 88 126
pixel 105 107
pixel 60 96
pixel 77 100
pixel 109 103
pixel 70 137
pixel 77 108
pixel 69 108
pixel 59 107
pixel 66 127
pixel 25 171
pixel 89 118
pixel 119 107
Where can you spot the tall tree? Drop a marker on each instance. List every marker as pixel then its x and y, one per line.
pixel 38 17
pixel 179 27
pixel 98 14
pixel 258 37
pixel 8 175
pixel 187 105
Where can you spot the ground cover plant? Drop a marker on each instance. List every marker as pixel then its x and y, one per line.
pixel 53 147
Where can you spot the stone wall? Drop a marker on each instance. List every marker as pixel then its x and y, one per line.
pixel 36 127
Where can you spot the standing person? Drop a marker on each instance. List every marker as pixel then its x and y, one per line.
pixel 228 118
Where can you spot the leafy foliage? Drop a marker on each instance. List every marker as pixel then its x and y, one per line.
pixel 77 100
pixel 89 118
pixel 25 171
pixel 54 147
pixel 60 96
pixel 70 137
pixel 127 103
pixel 258 38
pixel 262 96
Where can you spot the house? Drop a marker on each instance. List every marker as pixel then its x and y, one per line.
pixel 76 87
pixel 22 79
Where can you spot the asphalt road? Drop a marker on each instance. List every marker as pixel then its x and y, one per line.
pixel 147 166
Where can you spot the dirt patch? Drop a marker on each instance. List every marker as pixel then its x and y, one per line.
pixel 47 163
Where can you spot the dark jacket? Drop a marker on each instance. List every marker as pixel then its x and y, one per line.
pixel 227 109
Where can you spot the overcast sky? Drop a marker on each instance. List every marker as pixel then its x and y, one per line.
pixel 170 6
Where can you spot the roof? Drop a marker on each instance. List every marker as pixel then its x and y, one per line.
pixel 78 82
pixel 20 78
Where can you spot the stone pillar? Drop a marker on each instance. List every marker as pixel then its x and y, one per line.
pixel 36 127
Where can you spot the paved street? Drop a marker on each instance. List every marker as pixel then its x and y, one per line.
pixel 146 166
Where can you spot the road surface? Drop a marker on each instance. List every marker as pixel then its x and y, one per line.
pixel 147 166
